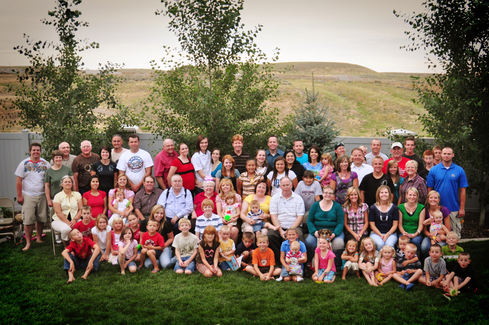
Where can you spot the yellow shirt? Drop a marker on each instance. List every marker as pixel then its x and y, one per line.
pixel 265 206
pixel 226 247
pixel 69 204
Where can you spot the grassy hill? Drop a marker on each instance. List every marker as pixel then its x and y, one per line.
pixel 361 100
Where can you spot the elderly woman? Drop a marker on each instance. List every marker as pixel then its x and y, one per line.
pixel 208 193
pixel 356 215
pixel 383 218
pixel 413 180
pixel 432 205
pixel 325 214
pixel 67 209
pixel 225 187
pixel 95 199
pixel 128 194
pixel 261 189
pixel 411 217
pixel 53 176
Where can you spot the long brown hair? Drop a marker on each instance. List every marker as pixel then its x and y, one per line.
pixel 223 170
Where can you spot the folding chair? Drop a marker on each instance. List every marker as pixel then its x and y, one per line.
pixel 7 223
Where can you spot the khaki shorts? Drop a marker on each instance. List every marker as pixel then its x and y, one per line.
pixel 35 208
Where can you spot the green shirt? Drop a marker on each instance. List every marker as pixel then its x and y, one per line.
pixel 410 223
pixel 53 177
pixel 449 255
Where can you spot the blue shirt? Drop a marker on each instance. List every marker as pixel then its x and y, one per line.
pixel 302 160
pixel 286 247
pixel 447 182
pixel 271 158
pixel 176 205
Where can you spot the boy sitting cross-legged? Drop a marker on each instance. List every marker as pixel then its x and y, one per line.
pixel 186 247
pixel 407 274
pixel 463 276
pixel 246 249
pixel 435 269
pixel 78 255
pixel 263 261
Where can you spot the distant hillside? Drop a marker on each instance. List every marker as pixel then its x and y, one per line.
pixel 362 101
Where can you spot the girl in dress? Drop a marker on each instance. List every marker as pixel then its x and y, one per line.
pixel 387 265
pixel 327 170
pixel 120 203
pixel 369 260
pixel 208 256
pixel 113 238
pixel 128 250
pixel 324 262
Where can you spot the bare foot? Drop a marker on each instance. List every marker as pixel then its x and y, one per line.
pixel 71 278
pixel 123 272
pixel 84 277
pixel 26 247
pixel 359 276
pixel 343 278
pixel 39 241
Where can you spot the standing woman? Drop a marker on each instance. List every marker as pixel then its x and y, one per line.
pixel 413 180
pixel 397 180
pixel 96 199
pixel 248 179
pixel 53 176
pixel 262 167
pixel 67 206
pixel 128 194
pixel 202 162
pixel 432 205
pixel 411 217
pixel 216 162
pixel 293 164
pixel 383 218
pixel 280 171
pixel 356 215
pixel 183 167
pixel 314 164
pixel 228 171
pixel 343 178
pixel 106 170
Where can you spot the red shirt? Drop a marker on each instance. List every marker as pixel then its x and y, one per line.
pixel 187 172
pixel 82 251
pixel 95 202
pixel 402 166
pixel 155 240
pixel 137 234
pixel 86 230
pixel 163 163
pixel 198 203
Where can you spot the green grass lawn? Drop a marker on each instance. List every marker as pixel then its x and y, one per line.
pixel 33 290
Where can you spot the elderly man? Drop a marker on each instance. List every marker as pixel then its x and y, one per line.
pixel 177 202
pixel 30 193
pixel 300 155
pixel 358 166
pixel 146 199
pixel 396 150
pixel 287 211
pixel 450 181
pixel 163 162
pixel 117 149
pixel 82 165
pixel 375 145
pixel 136 164
pixel 240 157
pixel 68 158
pixel 273 152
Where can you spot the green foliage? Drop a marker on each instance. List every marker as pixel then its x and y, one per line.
pixel 455 32
pixel 312 123
pixel 222 92
pixel 55 98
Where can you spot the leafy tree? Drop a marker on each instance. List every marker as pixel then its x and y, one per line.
pixel 223 89
pixel 456 35
pixel 55 98
pixel 313 124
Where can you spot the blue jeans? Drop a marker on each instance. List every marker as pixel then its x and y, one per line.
pixel 417 241
pixel 312 242
pixel 190 267
pixel 163 259
pixel 425 247
pixel 82 264
pixel 379 243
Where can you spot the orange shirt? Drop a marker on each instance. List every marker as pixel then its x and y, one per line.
pixel 263 259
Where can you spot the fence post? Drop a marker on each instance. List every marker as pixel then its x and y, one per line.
pixel 25 139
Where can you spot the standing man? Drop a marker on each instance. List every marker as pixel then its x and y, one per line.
pixel 30 193
pixel 428 164
pixel 450 181
pixel 163 162
pixel 437 155
pixel 339 149
pixel 287 211
pixel 117 149
pixel 397 150
pixel 410 144
pixel 373 181
pixel 67 157
pixel 358 166
pixel 135 163
pixel 145 200
pixel 375 145
pixel 300 155
pixel 273 152
pixel 177 202
pixel 82 165
pixel 240 157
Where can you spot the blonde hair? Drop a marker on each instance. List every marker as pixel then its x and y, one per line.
pixel 225 228
pixel 350 190
pixel 351 242
pixel 263 237
pixel 377 194
pixel 184 220
pixel 328 157
pixel 295 245
pixel 452 233
pixel 386 248
pixel 97 220
pixel 120 191
pixel 364 251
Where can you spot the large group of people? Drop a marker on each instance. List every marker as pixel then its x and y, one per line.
pixel 263 202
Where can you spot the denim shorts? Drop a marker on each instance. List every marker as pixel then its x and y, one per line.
pixel 190 267
pixel 132 263
pixel 327 277
pixel 257 227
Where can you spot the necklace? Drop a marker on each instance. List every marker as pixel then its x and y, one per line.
pixel 343 176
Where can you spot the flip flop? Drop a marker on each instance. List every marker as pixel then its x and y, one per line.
pixel 140 267
pixel 154 271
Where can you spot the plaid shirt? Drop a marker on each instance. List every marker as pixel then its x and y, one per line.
pixel 417 182
pixel 356 220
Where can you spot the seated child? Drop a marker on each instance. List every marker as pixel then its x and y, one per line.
pixel 437 228
pixel 246 248
pixel 121 204
pixel 369 260
pixel 407 274
pixel 207 219
pixel 451 251
pixel 99 233
pixel 152 244
pixel 400 252
pixel 255 213
pixel 324 266
pixel 263 261
pixel 128 250
pixel 463 276
pixel 79 255
pixel 435 269
pixel 350 259
pixel 186 248
pixel 288 271
pixel 208 257
pixel 387 265
pixel 227 248
pixel 310 191
pixel 86 223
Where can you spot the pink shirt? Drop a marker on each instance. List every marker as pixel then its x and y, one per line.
pixel 323 261
pixel 163 163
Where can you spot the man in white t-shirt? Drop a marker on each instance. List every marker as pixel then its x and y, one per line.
pixel 375 145
pixel 117 149
pixel 358 166
pixel 136 164
pixel 30 193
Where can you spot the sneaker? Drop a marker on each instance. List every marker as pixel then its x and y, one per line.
pixel 279 279
pixel 402 286
pixel 299 279
pixel 409 286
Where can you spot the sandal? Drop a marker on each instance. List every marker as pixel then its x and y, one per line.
pixel 154 271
